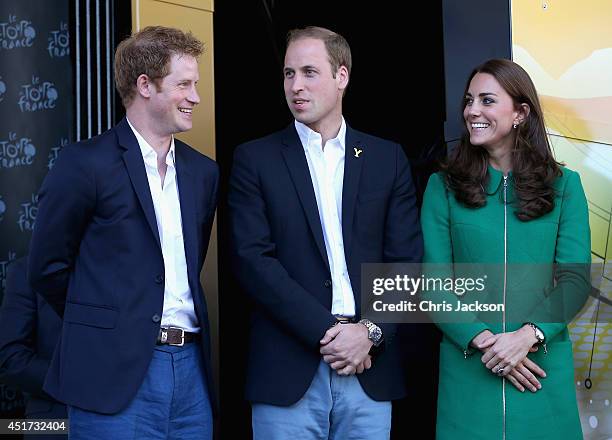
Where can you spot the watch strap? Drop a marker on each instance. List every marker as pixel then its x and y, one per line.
pixel 537 331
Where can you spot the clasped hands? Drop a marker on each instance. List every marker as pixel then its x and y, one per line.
pixel 345 348
pixel 505 354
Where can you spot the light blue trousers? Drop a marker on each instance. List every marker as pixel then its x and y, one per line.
pixel 334 408
pixel 172 403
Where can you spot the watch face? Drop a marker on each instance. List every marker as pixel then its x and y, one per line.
pixel 374 331
pixel 375 335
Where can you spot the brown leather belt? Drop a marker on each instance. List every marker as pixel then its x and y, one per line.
pixel 176 336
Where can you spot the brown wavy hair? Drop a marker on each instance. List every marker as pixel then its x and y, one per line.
pixel 533 165
pixel 149 52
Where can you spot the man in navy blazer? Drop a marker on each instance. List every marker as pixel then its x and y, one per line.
pixel 123 227
pixel 29 329
pixel 309 205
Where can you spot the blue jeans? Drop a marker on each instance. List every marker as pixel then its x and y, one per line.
pixel 171 403
pixel 334 408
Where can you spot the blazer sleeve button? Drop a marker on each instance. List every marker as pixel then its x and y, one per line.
pixel 327 283
pixel 159 279
pixel 156 318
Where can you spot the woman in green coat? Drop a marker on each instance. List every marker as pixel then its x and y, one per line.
pixel 502 199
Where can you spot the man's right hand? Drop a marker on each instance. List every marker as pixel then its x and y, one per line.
pixel 345 348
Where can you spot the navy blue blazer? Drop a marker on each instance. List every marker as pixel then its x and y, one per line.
pixel 281 261
pixel 95 256
pixel 29 330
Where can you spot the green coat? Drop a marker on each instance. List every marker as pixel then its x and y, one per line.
pixel 472 402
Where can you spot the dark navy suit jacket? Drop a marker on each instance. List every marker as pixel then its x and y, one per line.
pixel 29 330
pixel 281 261
pixel 95 256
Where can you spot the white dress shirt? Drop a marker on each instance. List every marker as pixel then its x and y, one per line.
pixel 178 300
pixel 326 165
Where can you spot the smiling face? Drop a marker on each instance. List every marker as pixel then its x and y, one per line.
pixel 490 113
pixel 313 91
pixel 172 102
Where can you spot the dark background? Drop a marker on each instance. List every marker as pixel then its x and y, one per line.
pixel 35 69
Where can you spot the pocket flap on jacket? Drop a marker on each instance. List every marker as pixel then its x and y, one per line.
pixel 86 314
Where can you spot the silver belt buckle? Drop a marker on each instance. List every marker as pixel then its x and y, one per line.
pixel 182 337
pixel 163 335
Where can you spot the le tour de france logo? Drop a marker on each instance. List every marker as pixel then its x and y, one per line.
pixel 10 399
pixel 2 89
pixel 2 209
pixel 55 152
pixel 27 214
pixel 16 33
pixel 16 152
pixel 37 95
pixel 3 265
pixel 59 41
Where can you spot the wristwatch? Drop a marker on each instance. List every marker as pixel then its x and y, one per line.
pixel 374 332
pixel 539 334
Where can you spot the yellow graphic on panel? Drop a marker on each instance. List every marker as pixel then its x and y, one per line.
pixel 566 46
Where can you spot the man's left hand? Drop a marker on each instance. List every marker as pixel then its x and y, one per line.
pixel 345 348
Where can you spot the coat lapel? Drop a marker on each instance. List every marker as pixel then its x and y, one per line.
pixel 353 161
pixel 186 190
pixel 295 158
pixel 138 175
